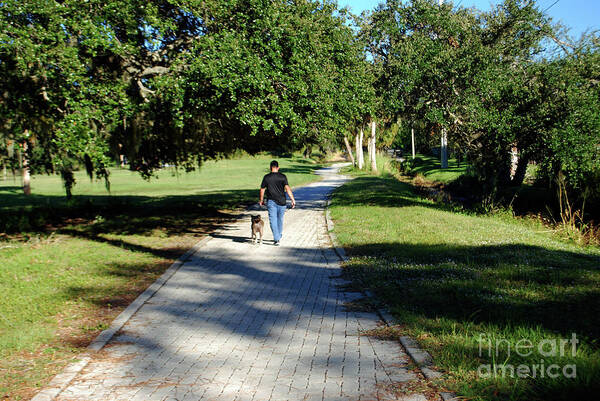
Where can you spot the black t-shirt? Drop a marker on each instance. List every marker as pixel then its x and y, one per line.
pixel 275 184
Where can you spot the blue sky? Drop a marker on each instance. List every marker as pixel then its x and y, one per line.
pixel 579 15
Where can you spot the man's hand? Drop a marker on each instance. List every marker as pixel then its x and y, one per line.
pixel 290 194
pixel 261 202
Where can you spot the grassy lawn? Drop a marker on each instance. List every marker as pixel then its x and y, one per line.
pixel 222 183
pixel 461 283
pixel 61 285
pixel 430 168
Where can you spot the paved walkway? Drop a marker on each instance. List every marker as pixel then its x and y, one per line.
pixel 240 321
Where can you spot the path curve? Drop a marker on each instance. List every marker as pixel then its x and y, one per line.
pixel 239 321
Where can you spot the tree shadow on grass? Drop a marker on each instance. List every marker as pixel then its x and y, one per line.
pixel 298 169
pixel 480 256
pixel 12 189
pixel 504 284
pixel 304 161
pixel 515 292
pixel 380 191
pixel 425 169
pixel 132 214
pixel 174 214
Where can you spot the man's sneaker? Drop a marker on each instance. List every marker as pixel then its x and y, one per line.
pixel 277 243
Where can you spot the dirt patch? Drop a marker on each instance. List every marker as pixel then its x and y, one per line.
pixel 430 389
pixel 22 371
pixel 418 386
pixel 360 305
pixel 385 332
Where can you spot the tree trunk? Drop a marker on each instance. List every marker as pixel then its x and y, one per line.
pixel 520 171
pixel 121 155
pixel 412 135
pixel 514 161
pixel 68 180
pixel 369 153
pixel 356 138
pixel 308 152
pixel 359 149
pixel 444 149
pixel 349 150
pixel 25 169
pixel 373 147
pixel 4 173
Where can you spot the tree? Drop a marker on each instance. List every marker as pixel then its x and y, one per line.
pixel 56 101
pixel 349 150
pixel 373 148
pixel 460 71
pixel 175 82
pixel 569 142
pixel 359 148
pixel 279 76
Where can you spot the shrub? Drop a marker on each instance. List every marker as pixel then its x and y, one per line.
pixel 407 166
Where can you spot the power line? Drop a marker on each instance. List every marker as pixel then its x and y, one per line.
pixel 551 5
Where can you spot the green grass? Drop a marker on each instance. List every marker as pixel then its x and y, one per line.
pixel 449 276
pixel 225 183
pixel 61 287
pixel 430 168
pixel 217 185
pixel 383 166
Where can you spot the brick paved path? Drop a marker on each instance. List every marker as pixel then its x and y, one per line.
pixel 245 322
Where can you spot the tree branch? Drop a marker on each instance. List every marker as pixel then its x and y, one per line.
pixel 563 45
pixel 156 70
pixel 144 92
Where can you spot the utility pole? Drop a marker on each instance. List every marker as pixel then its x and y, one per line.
pixel 444 144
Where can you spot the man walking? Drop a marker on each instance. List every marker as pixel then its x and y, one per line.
pixel 275 185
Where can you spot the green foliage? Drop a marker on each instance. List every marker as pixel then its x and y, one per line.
pixel 388 135
pixel 572 135
pixel 279 74
pixel 482 78
pixel 176 82
pixel 406 166
pixel 183 82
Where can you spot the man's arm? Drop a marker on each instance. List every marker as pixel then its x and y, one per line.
pixel 291 195
pixel 262 196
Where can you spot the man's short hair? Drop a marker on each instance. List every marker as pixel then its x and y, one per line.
pixel 274 164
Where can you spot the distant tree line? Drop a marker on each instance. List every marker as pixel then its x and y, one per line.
pixel 181 82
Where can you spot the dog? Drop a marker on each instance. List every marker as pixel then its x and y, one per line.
pixel 257 226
